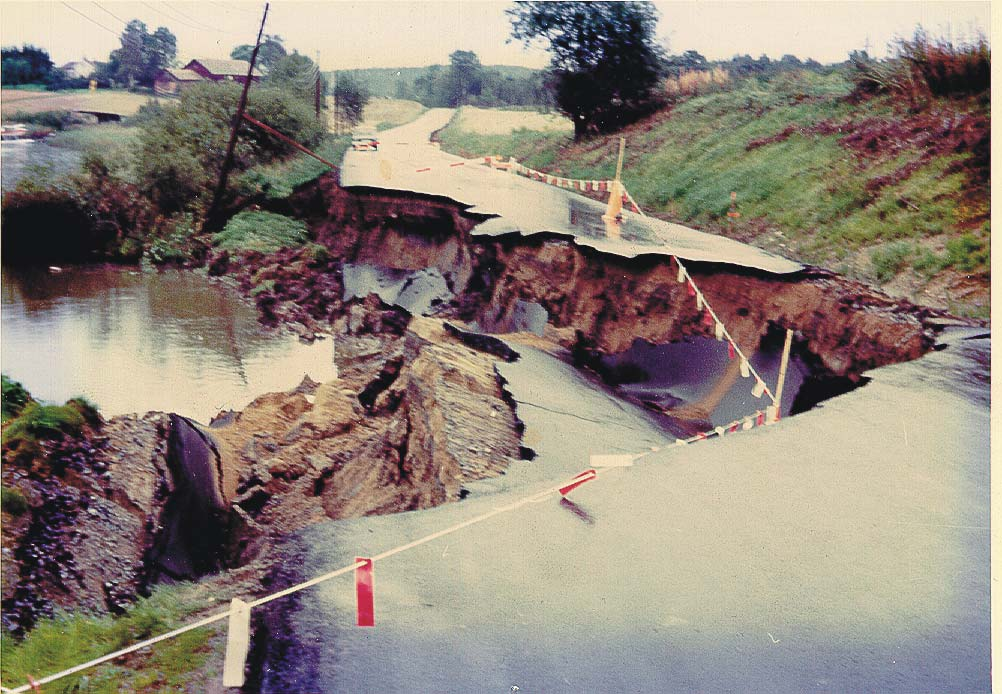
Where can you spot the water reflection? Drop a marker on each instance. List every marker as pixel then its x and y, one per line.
pixel 37 160
pixel 133 341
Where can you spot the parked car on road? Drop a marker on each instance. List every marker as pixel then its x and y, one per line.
pixel 365 141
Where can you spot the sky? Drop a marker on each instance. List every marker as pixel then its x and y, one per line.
pixel 376 33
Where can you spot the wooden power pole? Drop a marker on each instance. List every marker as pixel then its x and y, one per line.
pixel 237 121
pixel 319 89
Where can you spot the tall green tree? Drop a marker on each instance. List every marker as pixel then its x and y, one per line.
pixel 297 74
pixel 606 65
pixel 465 78
pixel 142 54
pixel 270 52
pixel 351 98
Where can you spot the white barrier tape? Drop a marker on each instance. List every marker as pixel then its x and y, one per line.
pixel 535 498
pixel 580 184
pixel 721 331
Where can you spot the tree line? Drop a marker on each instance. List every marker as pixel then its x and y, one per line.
pixel 466 81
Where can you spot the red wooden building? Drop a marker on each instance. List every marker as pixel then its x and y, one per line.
pixel 171 81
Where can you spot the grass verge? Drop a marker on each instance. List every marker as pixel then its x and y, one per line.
pixel 261 231
pixel 66 640
pixel 278 179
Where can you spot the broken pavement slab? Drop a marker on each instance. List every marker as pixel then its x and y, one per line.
pixel 516 204
pixel 843 549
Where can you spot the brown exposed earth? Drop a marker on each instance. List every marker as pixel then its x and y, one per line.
pixel 418 410
pixel 414 415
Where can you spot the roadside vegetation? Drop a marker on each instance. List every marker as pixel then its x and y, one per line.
pixel 179 664
pixel 265 232
pixel 883 179
pixel 27 422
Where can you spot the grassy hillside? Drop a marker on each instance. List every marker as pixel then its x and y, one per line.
pixel 382 114
pixel 383 81
pixel 862 187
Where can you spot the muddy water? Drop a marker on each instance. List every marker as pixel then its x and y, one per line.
pixel 133 341
pixel 35 160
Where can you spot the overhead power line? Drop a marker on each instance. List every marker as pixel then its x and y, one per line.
pixel 92 21
pixel 105 9
pixel 162 10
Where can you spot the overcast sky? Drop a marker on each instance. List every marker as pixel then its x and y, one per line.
pixel 397 34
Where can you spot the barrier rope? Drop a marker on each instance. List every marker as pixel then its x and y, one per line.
pixel 534 498
pixel 746 422
pixel 710 316
pixel 583 185
pixel 719 328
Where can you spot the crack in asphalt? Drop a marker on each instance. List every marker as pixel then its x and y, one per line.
pixel 577 416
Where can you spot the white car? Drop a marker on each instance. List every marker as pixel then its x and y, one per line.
pixel 365 141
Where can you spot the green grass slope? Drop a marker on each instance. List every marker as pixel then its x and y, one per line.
pixel 866 188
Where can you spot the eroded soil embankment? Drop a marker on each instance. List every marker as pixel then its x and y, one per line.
pixel 608 300
pixel 414 416
pixel 416 412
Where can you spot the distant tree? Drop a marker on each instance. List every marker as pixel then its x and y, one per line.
pixel 789 62
pixel 605 63
pixel 160 49
pixel 465 78
pixel 297 74
pixel 431 88
pixel 351 98
pixel 142 55
pixel 746 66
pixel 25 65
pixel 675 65
pixel 270 52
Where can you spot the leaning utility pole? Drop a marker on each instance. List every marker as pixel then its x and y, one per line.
pixel 337 113
pixel 237 121
pixel 319 89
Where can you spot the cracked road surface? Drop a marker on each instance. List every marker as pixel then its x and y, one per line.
pixel 406 160
pixel 844 549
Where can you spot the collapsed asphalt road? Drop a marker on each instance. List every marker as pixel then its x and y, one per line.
pixel 407 161
pixel 845 549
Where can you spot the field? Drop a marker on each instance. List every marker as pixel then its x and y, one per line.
pixel 491 121
pixel 104 100
pixel 382 114
pixel 867 189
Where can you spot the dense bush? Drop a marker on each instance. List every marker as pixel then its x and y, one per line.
pixel 181 149
pixel 15 397
pixel 59 80
pixel 923 67
pixel 91 216
pixel 948 69
pixel 261 231
pixel 56 120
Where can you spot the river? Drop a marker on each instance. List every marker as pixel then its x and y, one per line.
pixel 134 340
pixel 39 160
